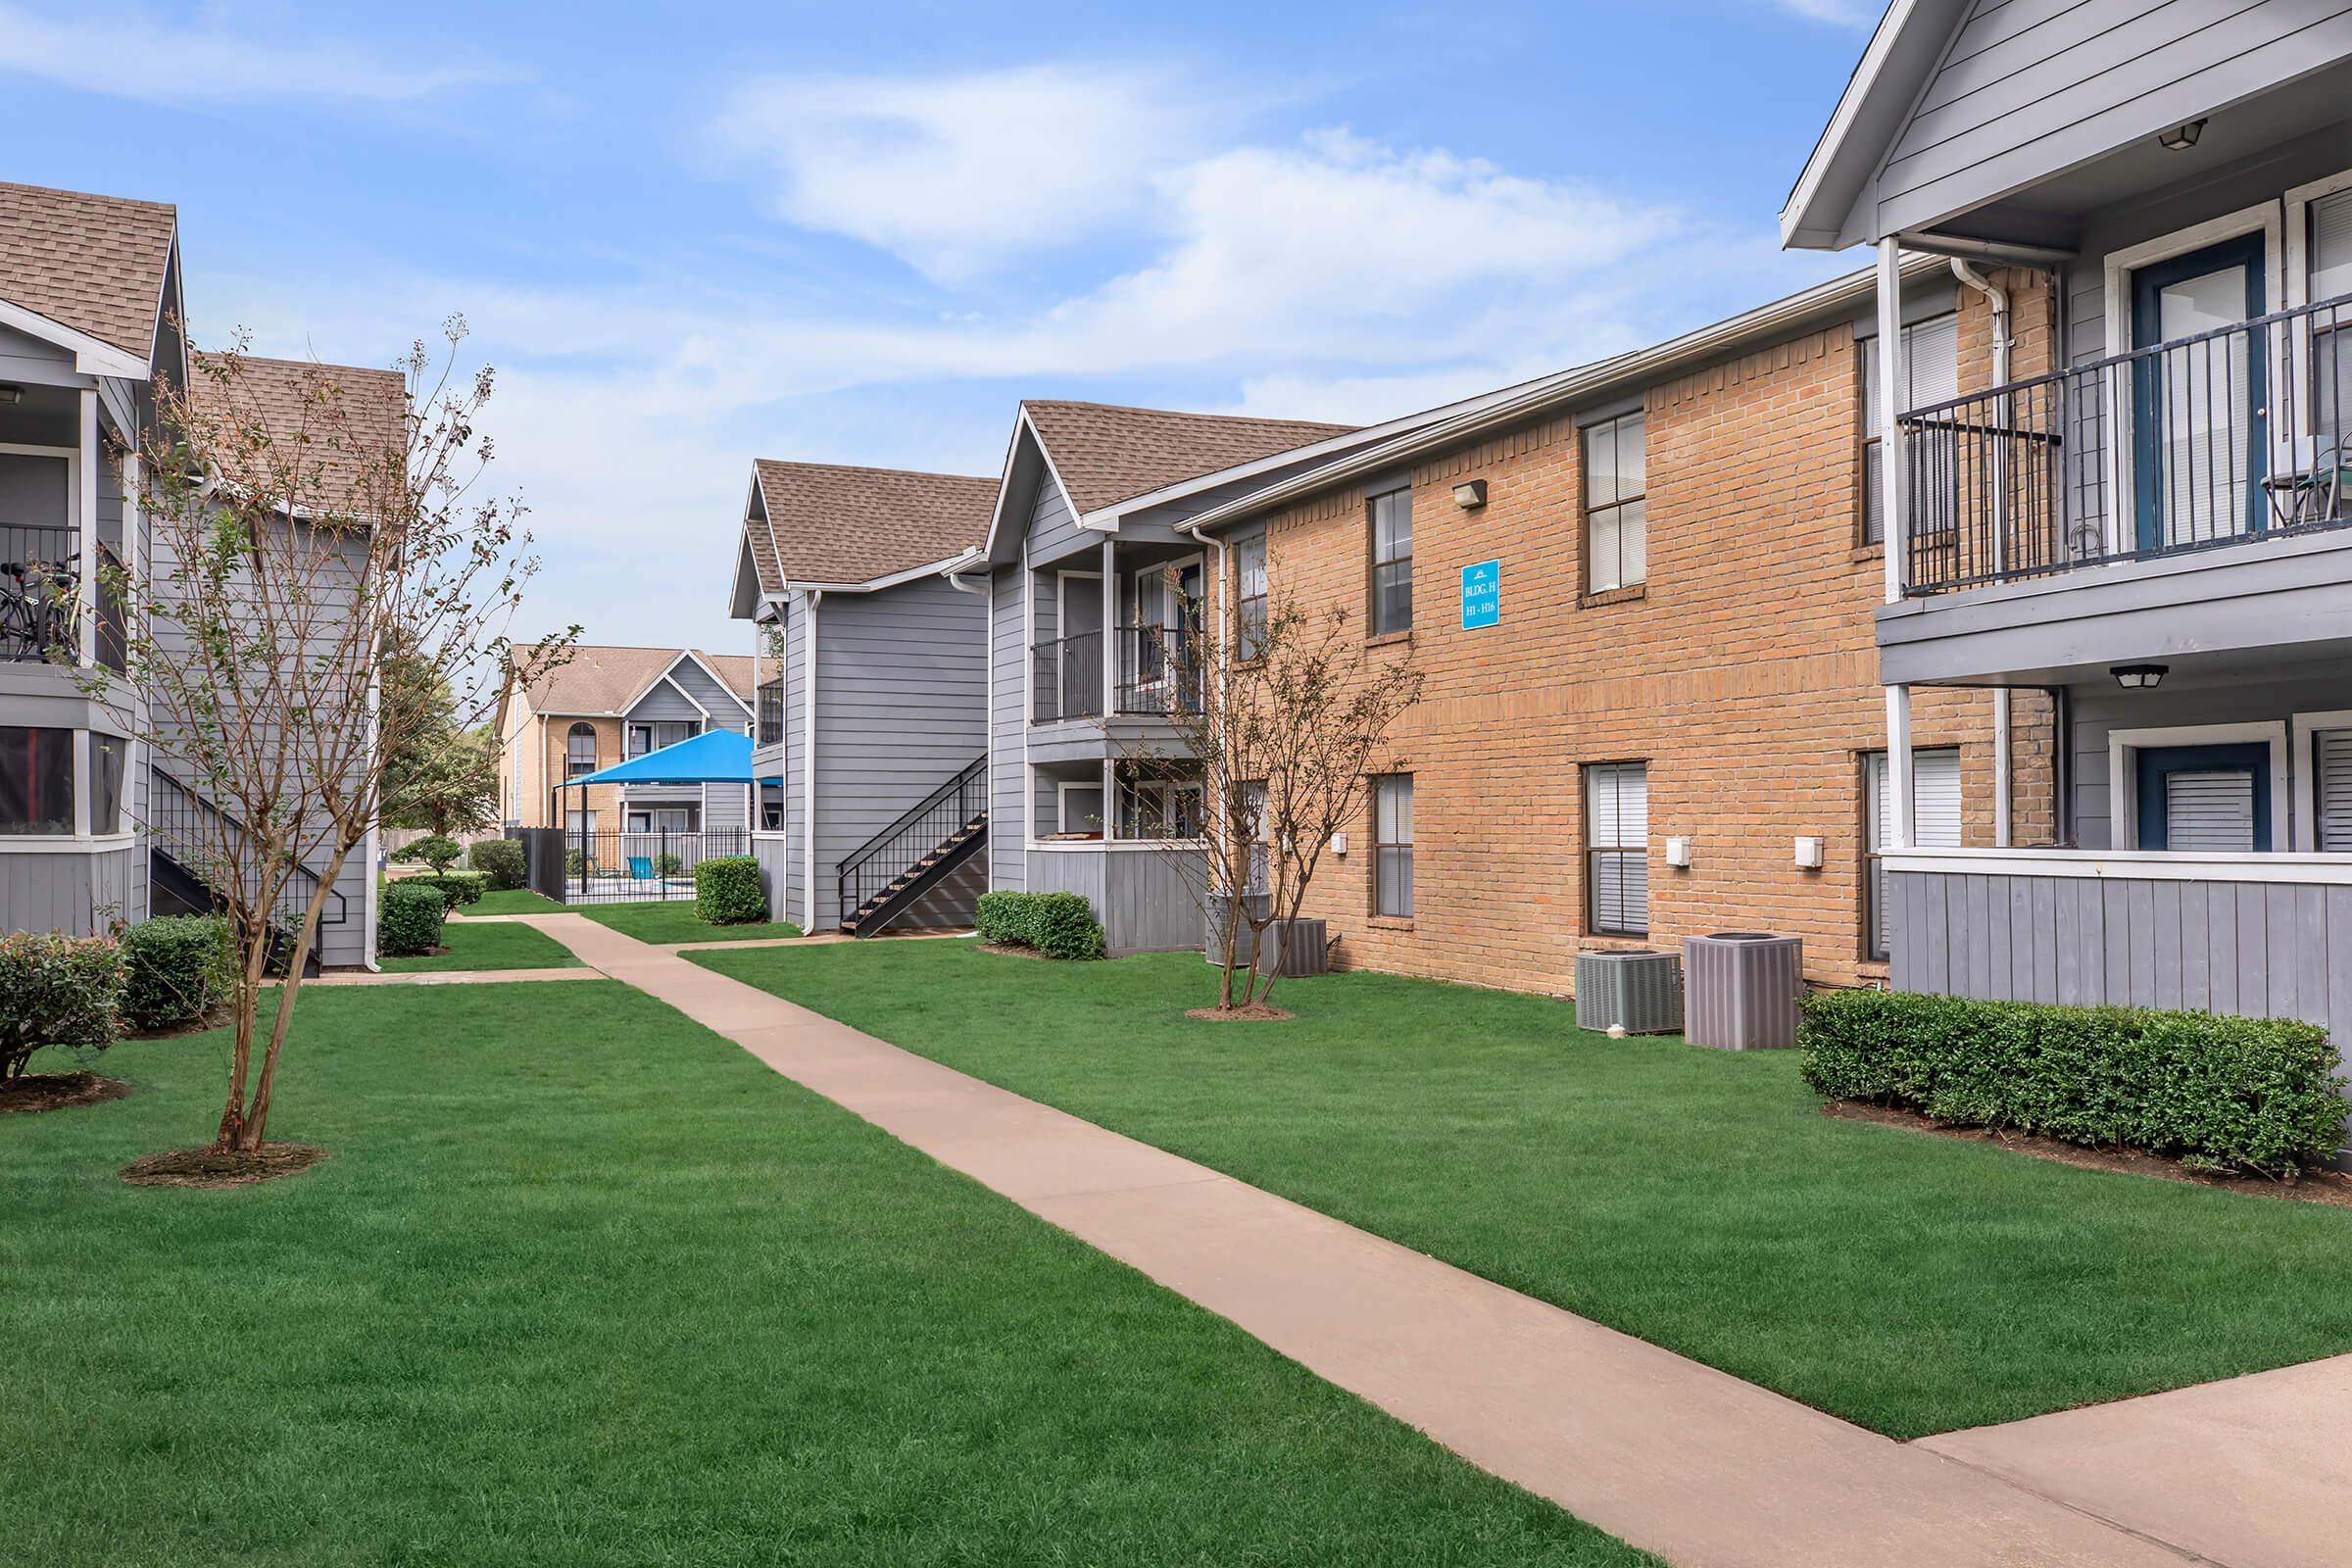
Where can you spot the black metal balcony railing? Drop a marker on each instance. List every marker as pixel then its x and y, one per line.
pixel 2232 435
pixel 770 713
pixel 40 586
pixel 1159 670
pixel 1067 678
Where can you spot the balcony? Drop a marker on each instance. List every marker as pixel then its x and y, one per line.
pixel 2230 437
pixel 770 729
pixel 1158 675
pixel 40 592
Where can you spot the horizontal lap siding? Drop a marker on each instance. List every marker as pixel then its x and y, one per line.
pixel 2031 87
pixel 902 707
pixel 726 709
pixel 2264 949
pixel 1008 719
pixel 796 764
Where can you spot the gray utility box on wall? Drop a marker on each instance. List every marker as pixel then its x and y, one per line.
pixel 1642 990
pixel 1744 989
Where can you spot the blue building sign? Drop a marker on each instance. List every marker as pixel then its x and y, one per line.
pixel 1482 594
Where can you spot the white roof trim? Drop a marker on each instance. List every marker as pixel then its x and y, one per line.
pixel 91 357
pixel 1533 397
pixel 996 518
pixel 1834 173
pixel 946 567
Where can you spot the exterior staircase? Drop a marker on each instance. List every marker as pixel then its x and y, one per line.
pixel 887 874
pixel 181 822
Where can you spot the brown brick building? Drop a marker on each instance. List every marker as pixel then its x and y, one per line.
pixel 1688 627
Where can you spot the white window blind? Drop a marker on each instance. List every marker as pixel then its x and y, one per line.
pixel 1393 845
pixel 2332 795
pixel 2211 811
pixel 2331 246
pixel 1617 828
pixel 1932 366
pixel 1934 817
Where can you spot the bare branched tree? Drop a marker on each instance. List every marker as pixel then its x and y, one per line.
pixel 308 525
pixel 1283 723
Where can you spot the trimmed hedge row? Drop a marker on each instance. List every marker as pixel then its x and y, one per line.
pixel 2219 1094
pixel 726 891
pixel 1060 926
pixel 177 969
pixel 408 919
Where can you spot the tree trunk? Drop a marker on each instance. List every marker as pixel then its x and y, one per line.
pixel 257 1118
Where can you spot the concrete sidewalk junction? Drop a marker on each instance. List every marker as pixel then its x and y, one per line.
pixel 1692 1463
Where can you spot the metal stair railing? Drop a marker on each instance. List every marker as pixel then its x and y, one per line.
pixel 182 822
pixel 949 811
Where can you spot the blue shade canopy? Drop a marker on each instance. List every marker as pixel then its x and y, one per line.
pixel 714 757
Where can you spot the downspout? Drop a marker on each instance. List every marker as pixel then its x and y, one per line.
pixel 815 597
pixel 1224 626
pixel 1998 298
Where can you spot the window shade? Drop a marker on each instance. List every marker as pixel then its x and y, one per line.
pixel 2211 811
pixel 2332 797
pixel 1935 818
pixel 2331 246
pixel 1932 367
pixel 1617 826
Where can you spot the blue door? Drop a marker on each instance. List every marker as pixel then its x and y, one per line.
pixel 2213 797
pixel 2197 407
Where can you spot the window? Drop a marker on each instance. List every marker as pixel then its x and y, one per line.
pixel 652 737
pixel 1392 561
pixel 1160 808
pixel 109 757
pixel 576 823
pixel 1081 810
pixel 1249 611
pixel 1931 363
pixel 2330 251
pixel 1935 823
pixel 36 781
pixel 579 751
pixel 664 819
pixel 1393 845
pixel 771 713
pixel 1617 848
pixel 1616 512
pixel 2331 790
pixel 772 807
pixel 1255 824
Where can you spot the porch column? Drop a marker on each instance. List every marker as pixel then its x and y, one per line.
pixel 1903 815
pixel 86 613
pixel 1111 640
pixel 1892 382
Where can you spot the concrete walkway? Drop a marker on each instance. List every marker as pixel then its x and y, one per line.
pixel 1692 1463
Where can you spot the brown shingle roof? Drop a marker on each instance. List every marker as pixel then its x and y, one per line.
pixel 837 524
pixel 1106 454
pixel 320 450
pixel 601 678
pixel 95 263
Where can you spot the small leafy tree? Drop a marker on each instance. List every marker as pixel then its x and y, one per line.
pixel 309 527
pixel 1283 724
pixel 444 778
pixel 436 850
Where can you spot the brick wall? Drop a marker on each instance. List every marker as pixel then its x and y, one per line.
pixel 537 809
pixel 1743 673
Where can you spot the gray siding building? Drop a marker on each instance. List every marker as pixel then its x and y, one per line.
pixel 873 703
pixel 2155 525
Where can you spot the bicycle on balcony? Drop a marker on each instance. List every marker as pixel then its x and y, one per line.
pixel 37 605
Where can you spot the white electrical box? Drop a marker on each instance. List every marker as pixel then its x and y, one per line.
pixel 1339 844
pixel 1678 852
pixel 1808 854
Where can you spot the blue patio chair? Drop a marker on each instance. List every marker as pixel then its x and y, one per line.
pixel 641 867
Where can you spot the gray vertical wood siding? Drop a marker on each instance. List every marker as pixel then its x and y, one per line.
pixel 2031 87
pixel 1144 898
pixel 1008 715
pixel 2264 949
pixel 76 891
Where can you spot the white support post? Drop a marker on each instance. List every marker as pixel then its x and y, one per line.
pixel 86 611
pixel 1902 826
pixel 1110 635
pixel 2001 826
pixel 1892 492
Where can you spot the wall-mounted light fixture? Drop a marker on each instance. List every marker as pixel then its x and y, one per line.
pixel 12 394
pixel 2180 139
pixel 2138 677
pixel 1808 854
pixel 1677 853
pixel 1470 494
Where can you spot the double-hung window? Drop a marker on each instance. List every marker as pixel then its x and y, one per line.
pixel 1250 596
pixel 1616 503
pixel 1935 819
pixel 1932 364
pixel 1393 845
pixel 652 737
pixel 579 751
pixel 2330 251
pixel 1617 848
pixel 1392 515
pixel 1160 808
pixel 2331 790
pixel 110 758
pixel 36 781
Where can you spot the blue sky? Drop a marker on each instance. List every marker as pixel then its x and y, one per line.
pixel 857 234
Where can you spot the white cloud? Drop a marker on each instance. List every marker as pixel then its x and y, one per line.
pixel 1836 13
pixel 959 174
pixel 129 54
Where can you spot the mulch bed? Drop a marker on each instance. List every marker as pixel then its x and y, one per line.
pixel 1255 1012
pixel 57 1091
pixel 208 1166
pixel 2311 1187
pixel 1011 950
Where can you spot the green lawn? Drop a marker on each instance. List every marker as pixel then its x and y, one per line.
pixel 626 1296
pixel 512 901
pixel 491 944
pixel 1696 1199
pixel 674 920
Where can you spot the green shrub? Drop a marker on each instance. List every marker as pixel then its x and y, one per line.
pixel 501 860
pixel 2216 1093
pixel 436 850
pixel 176 969
pixel 408 919
pixel 455 887
pixel 574 863
pixel 669 864
pixel 56 990
pixel 1060 926
pixel 726 891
